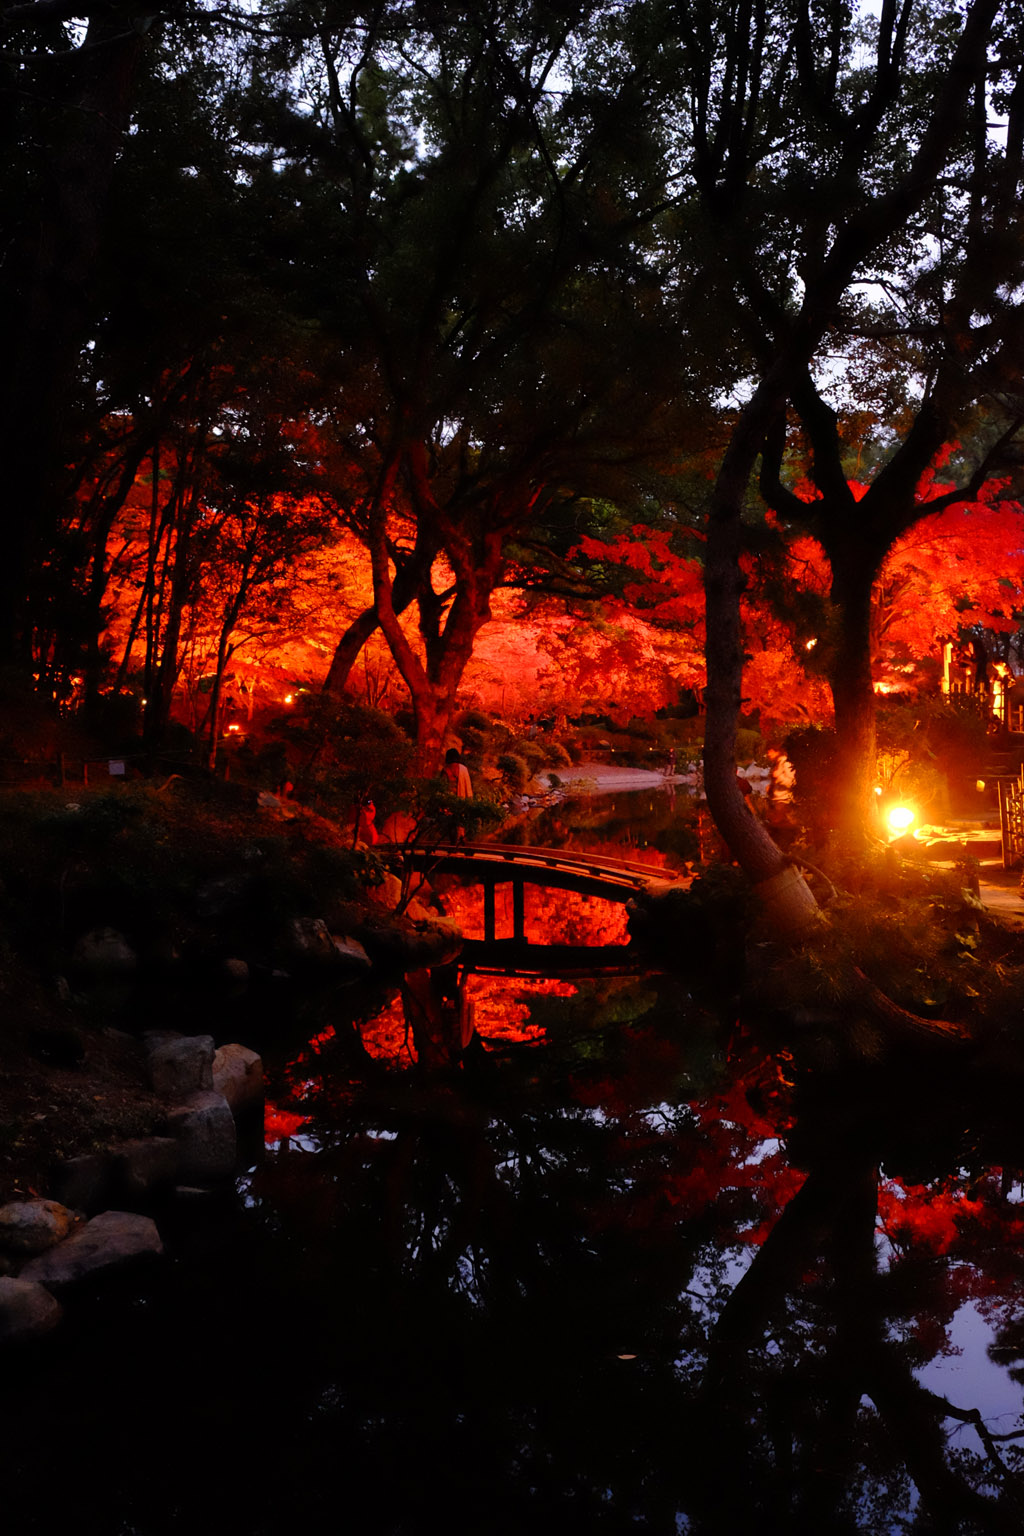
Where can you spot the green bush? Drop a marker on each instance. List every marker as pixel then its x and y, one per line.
pixel 533 753
pixel 473 720
pixel 926 747
pixel 749 745
pixel 473 739
pixel 555 756
pixel 340 754
pixel 514 770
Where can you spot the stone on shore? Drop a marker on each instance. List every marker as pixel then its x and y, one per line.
pixel 354 959
pixel 83 1182
pixel 107 1242
pixel 421 944
pixel 27 1311
pixel 180 1065
pixel 145 1163
pixel 31 1226
pixel 104 952
pixel 238 1076
pixel 204 1129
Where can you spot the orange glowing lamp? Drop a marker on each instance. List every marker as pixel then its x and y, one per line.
pixel 900 818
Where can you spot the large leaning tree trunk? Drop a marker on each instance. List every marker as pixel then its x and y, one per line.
pixel 790 899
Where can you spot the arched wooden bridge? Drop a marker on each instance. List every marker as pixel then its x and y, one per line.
pixel 494 864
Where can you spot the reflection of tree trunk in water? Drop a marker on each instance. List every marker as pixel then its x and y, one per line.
pixel 832 1217
pixel 436 1012
pixel 446 1204
pixel 852 1250
pixel 738 1489
pixel 914 1418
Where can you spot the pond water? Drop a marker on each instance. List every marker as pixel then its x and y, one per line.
pixel 625 1269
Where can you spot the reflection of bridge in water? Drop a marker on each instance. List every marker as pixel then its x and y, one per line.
pixel 494 864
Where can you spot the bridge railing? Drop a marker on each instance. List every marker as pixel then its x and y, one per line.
pixel 525 856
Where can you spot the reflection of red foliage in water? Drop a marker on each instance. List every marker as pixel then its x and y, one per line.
pixel 280 1123
pixel 919 1217
pixel 501 1013
pixel 384 1036
pixel 915 1216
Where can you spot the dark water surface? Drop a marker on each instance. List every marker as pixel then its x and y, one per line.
pixel 626 1271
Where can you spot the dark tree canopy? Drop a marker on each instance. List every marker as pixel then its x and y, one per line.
pixel 504 259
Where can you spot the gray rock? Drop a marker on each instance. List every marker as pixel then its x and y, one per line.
pixel 104 952
pixel 238 1075
pixel 309 941
pixel 84 1182
pixel 353 957
pixel 235 970
pixel 32 1226
pixel 219 898
pixel 109 1241
pixel 27 1311
pixel 180 1065
pixel 421 945
pixel 204 1129
pixel 145 1163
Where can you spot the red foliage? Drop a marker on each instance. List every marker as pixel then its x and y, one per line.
pixel 279 1124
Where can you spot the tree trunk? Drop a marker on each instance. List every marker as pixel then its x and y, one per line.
pixel 347 650
pixel 853 695
pixel 785 893
pixel 404 589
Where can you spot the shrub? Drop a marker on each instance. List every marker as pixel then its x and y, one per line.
pixel 473 720
pixel 556 756
pixel 533 753
pixel 930 745
pixel 473 739
pixel 341 754
pixel 749 745
pixel 514 770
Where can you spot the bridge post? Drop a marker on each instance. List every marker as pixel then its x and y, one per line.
pixel 519 909
pixel 489 911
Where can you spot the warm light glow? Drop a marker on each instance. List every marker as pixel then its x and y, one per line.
pixel 234 728
pixel 900 818
pixel 878 789
pixel 979 783
pixel 289 698
pixel 809 646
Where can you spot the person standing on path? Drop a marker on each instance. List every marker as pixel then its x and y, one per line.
pixel 457 774
pixel 461 785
